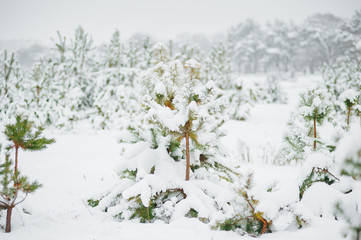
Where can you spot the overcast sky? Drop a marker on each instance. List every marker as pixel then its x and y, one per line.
pixel 40 19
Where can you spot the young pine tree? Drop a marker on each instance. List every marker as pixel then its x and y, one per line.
pixel 348 160
pixel 14 189
pixel 314 108
pixel 350 98
pixel 11 86
pixel 23 135
pixel 178 158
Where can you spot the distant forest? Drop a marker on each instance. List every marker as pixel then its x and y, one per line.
pixel 278 46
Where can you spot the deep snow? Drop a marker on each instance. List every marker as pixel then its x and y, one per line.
pixel 81 163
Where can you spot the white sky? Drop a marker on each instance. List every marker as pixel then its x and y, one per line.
pixel 40 19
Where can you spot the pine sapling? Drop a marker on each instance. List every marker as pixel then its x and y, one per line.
pixel 13 184
pixel 314 107
pixel 22 135
pixel 7 68
pixel 349 97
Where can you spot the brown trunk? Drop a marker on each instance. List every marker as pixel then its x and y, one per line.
pixel 38 94
pixel 16 159
pixel 187 156
pixel 8 219
pixel 348 117
pixel 148 214
pixel 314 132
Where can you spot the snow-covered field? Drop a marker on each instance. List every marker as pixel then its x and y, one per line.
pixel 81 163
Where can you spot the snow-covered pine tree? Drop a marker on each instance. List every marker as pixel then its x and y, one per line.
pixel 348 160
pixel 81 62
pixel 272 91
pixel 350 98
pixel 12 93
pixel 187 51
pixel 301 137
pixel 342 79
pixel 113 52
pixel 145 56
pixel 218 67
pixel 295 145
pixel 263 209
pixel 239 101
pixel 176 139
pixel 115 89
pixel 314 108
pixel 42 97
pixel 131 53
pixel 246 217
pixel 61 47
pixel 73 82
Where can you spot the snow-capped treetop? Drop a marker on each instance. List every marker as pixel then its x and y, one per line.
pixel 193 65
pixel 349 95
pixel 160 52
pixel 314 104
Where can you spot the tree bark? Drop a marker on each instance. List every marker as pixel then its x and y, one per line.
pixel 16 159
pixel 8 219
pixel 38 95
pixel 314 132
pixel 187 157
pixel 348 117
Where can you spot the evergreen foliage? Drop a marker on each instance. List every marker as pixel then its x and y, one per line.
pixel 314 108
pixel 249 220
pixel 22 135
pixel 343 83
pixel 348 159
pixel 14 186
pixel 178 164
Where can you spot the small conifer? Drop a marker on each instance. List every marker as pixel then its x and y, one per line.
pixel 314 107
pixel 13 184
pixel 22 135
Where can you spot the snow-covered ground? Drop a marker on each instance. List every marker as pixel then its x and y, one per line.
pixel 81 163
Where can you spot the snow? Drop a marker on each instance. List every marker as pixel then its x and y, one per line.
pixel 321 198
pixel 80 165
pixel 314 160
pixel 349 147
pixel 349 94
pixel 192 63
pixel 160 89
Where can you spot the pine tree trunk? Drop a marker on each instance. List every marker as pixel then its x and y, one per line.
pixel 348 117
pixel 38 95
pixel 16 159
pixel 187 157
pixel 314 132
pixel 8 219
